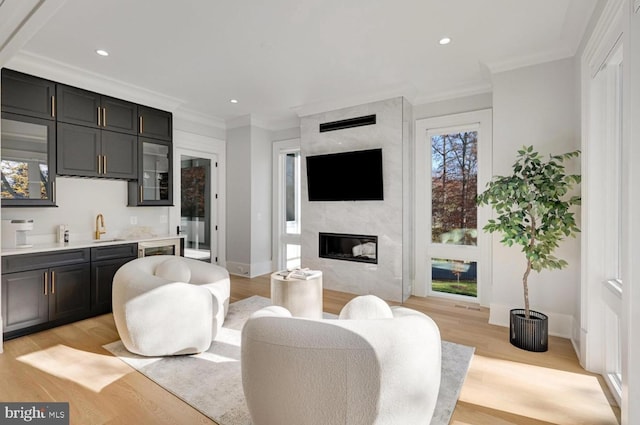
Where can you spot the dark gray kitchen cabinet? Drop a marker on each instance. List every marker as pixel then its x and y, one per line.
pixel 43 290
pixel 91 152
pixel 154 186
pixel 83 107
pixel 24 301
pixel 28 95
pixel 154 123
pixel 69 292
pixel 105 262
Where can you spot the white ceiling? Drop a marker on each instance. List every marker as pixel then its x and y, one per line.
pixel 280 58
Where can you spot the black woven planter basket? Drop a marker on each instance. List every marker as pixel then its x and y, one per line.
pixel 530 334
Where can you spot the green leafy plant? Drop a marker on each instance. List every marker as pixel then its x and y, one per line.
pixel 533 209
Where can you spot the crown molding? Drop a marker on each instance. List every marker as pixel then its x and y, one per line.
pixel 455 93
pixel 561 52
pixel 21 20
pixel 267 123
pixel 198 117
pixel 605 36
pixel 74 76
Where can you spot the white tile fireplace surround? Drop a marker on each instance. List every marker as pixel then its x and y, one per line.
pixel 382 220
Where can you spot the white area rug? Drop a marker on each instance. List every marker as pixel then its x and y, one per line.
pixel 211 381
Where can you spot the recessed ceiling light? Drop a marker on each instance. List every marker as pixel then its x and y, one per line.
pixel 102 52
pixel 233 100
pixel 445 40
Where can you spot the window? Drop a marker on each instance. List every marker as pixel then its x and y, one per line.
pixel 453 160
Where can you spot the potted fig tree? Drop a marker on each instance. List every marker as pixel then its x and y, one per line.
pixel 534 211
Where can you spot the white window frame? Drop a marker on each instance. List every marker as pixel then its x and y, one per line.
pixel 480 121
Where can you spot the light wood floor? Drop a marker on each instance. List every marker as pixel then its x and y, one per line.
pixel 504 385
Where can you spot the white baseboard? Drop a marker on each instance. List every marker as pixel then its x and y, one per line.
pixel 238 269
pixel 559 324
pixel 258 269
pixel 248 270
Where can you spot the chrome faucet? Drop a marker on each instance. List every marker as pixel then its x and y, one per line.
pixel 100 224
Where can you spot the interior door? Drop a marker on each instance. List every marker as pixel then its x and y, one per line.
pixel 197 215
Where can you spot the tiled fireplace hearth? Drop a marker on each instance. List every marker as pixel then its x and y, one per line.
pixel 340 246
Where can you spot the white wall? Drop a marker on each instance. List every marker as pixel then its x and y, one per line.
pixel 79 201
pixel 260 201
pixel 248 200
pixel 239 200
pixel 536 106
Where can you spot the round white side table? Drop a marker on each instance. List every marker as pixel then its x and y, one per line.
pixel 302 297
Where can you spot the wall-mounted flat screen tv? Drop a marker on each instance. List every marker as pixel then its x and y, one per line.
pixel 345 176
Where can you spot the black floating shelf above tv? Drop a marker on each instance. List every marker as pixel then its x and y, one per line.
pixel 348 123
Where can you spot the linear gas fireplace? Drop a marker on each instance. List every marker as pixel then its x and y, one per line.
pixel 339 246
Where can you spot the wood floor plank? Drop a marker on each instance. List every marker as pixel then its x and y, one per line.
pixel 68 363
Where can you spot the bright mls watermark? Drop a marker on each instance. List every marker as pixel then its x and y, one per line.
pixel 34 413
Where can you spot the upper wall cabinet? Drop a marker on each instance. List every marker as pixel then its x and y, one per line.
pixel 28 127
pixel 28 161
pixel 27 95
pixel 91 152
pixel 154 123
pixel 82 107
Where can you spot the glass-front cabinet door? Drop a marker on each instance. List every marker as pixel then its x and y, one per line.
pixel 155 177
pixel 27 160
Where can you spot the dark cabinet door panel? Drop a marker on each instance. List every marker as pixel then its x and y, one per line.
pixel 102 273
pixel 118 115
pixel 24 299
pixel 27 95
pixel 78 150
pixel 77 106
pixel 120 152
pixel 70 292
pixel 155 123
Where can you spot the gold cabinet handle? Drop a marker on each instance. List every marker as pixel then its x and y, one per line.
pixel 53 192
pixel 46 283
pixel 99 118
pixel 99 164
pixel 53 282
pixel 140 193
pixel 104 117
pixel 141 128
pixel 53 106
pixel 104 164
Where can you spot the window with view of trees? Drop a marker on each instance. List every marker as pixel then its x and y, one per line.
pixel 19 181
pixel 454 175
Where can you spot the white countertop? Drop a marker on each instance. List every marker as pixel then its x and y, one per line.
pixel 55 246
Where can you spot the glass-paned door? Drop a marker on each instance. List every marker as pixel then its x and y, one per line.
pixel 26 160
pixel 156 173
pixel 453 163
pixel 195 206
pixel 287 227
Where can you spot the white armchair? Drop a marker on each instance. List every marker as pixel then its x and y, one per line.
pixel 167 305
pixel 383 368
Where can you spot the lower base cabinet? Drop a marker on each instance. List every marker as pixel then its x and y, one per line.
pixel 24 303
pixel 44 290
pixel 105 262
